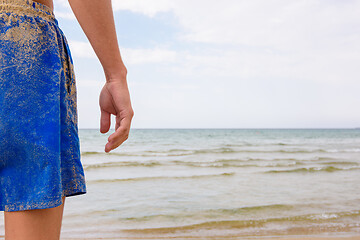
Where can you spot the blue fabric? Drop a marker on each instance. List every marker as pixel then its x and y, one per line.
pixel 39 144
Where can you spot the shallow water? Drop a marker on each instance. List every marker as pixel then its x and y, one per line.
pixel 164 183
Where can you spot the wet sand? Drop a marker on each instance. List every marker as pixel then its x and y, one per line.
pixel 233 238
pixel 308 238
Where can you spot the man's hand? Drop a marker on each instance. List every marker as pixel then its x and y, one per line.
pixel 115 99
pixel 96 18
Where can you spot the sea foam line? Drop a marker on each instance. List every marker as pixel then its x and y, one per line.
pixel 158 177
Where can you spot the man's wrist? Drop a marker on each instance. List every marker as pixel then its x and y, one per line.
pixel 118 74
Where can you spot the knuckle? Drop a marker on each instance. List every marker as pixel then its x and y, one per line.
pixel 131 113
pixel 124 131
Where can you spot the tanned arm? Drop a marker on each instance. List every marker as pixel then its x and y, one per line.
pixel 97 21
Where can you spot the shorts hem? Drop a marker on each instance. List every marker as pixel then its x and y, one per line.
pixel 75 193
pixel 35 205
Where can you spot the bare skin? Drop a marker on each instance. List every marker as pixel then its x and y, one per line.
pixel 37 224
pixel 97 21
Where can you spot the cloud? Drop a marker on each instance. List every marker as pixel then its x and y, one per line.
pixel 132 56
pixel 254 23
pixel 308 39
pixel 148 8
pixel 291 26
pixel 81 49
pixel 63 10
pixel 236 63
pixel 141 56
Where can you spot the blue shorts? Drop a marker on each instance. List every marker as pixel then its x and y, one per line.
pixel 39 142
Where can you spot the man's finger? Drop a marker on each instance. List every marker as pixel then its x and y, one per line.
pixel 104 121
pixel 119 136
pixel 122 130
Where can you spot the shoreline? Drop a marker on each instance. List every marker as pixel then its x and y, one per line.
pixel 305 238
pixel 357 237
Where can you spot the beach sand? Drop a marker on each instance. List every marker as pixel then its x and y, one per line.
pixel 308 238
pixel 235 238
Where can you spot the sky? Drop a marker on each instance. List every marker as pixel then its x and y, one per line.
pixel 228 64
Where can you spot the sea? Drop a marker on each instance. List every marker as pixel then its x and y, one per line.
pixel 217 184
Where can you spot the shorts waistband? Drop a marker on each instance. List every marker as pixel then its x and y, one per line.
pixel 27 7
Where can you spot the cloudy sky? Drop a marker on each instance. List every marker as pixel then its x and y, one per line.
pixel 228 64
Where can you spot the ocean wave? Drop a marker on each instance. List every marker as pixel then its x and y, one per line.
pixel 92 153
pixel 251 223
pixel 239 144
pixel 160 177
pixel 206 213
pixel 187 152
pixel 249 159
pixel 123 164
pixel 217 164
pixel 224 163
pixel 256 144
pixel 220 163
pixel 347 150
pixel 341 163
pixel 312 169
pixel 211 213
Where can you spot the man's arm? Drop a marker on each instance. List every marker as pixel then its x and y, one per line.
pixel 97 21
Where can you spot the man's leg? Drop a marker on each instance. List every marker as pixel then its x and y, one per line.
pixel 37 224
